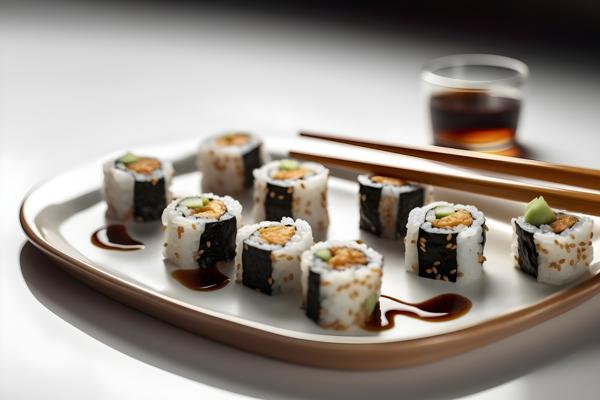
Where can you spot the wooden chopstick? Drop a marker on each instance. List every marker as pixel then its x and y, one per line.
pixel 584 202
pixel 564 174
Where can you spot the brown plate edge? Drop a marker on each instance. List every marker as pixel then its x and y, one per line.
pixel 354 356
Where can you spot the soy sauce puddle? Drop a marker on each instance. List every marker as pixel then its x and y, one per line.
pixel 444 307
pixel 115 237
pixel 202 279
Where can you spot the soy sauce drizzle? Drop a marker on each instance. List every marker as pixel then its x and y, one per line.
pixel 202 279
pixel 444 307
pixel 115 237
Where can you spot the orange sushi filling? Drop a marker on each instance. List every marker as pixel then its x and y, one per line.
pixel 387 180
pixel 277 234
pixel 144 165
pixel 213 210
pixel 343 257
pixel 236 139
pixel 460 217
pixel 562 223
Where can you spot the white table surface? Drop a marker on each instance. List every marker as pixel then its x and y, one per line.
pixel 79 84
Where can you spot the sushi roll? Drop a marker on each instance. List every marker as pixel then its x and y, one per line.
pixel 288 188
pixel 227 162
pixel 200 230
pixel 446 241
pixel 385 203
pixel 555 247
pixel 137 187
pixel 268 254
pixel 341 283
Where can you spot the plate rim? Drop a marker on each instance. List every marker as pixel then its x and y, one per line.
pixel 310 352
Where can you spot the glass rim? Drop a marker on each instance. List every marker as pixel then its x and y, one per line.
pixel 429 75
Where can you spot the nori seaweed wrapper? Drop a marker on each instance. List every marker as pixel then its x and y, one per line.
pixel 149 199
pixel 258 269
pixel 436 248
pixel 527 252
pixel 408 201
pixel 278 202
pixel 313 302
pixel 217 243
pixel 369 209
pixel 252 160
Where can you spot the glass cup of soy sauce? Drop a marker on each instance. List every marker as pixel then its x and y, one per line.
pixel 475 100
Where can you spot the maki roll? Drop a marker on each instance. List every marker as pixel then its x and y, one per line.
pixel 341 283
pixel 385 203
pixel 268 254
pixel 137 187
pixel 446 241
pixel 200 230
pixel 288 188
pixel 227 162
pixel 553 246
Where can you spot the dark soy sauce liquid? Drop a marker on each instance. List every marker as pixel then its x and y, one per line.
pixel 203 279
pixel 115 237
pixel 444 307
pixel 475 121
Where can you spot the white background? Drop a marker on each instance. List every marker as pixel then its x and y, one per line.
pixel 78 84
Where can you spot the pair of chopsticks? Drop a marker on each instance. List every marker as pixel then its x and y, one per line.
pixel 572 199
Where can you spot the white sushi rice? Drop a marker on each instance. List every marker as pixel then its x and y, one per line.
pixel 388 204
pixel 182 230
pixel 563 257
pixel 223 166
pixel 469 241
pixel 285 260
pixel 347 296
pixel 118 187
pixel 309 195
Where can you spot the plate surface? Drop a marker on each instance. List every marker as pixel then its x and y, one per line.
pixel 60 216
